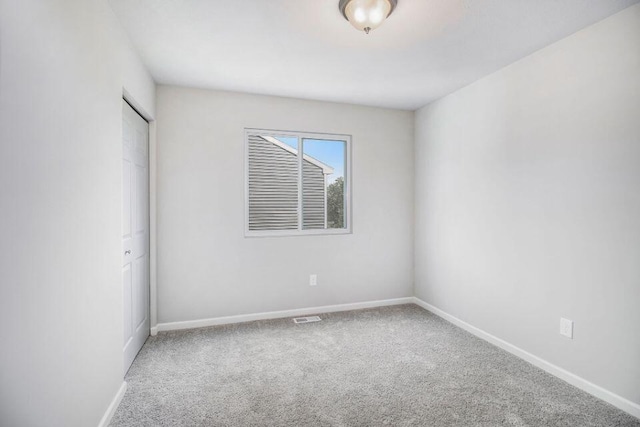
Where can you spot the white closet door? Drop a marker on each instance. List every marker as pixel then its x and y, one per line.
pixel 135 232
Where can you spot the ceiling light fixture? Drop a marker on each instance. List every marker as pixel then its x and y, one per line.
pixel 366 15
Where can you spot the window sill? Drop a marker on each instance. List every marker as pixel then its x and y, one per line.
pixel 293 233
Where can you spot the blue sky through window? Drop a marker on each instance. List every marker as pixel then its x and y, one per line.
pixel 291 141
pixel 329 152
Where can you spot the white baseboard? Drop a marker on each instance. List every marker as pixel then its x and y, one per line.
pixel 154 331
pixel 190 324
pixel 106 418
pixel 591 388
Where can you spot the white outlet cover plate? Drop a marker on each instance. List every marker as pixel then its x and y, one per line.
pixel 566 327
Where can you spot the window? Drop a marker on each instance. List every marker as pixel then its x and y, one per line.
pixel 296 183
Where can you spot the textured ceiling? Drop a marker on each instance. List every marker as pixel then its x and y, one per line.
pixel 305 48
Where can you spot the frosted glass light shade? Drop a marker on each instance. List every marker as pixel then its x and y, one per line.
pixel 366 15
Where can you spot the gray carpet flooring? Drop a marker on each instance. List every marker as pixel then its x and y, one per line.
pixel 391 366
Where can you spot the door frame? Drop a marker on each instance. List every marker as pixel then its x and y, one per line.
pixel 153 301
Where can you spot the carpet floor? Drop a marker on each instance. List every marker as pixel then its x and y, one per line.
pixel 390 366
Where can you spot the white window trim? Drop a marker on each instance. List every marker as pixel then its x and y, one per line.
pixel 299 231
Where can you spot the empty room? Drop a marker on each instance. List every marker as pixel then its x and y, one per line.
pixel 319 213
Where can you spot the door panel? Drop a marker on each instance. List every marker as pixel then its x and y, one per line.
pixel 135 233
pixel 126 285
pixel 126 202
pixel 139 295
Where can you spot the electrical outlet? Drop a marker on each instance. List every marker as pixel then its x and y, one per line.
pixel 313 280
pixel 566 327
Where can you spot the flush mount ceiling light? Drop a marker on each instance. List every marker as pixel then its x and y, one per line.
pixel 366 15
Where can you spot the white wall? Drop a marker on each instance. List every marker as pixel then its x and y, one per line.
pixel 528 203
pixel 63 66
pixel 207 268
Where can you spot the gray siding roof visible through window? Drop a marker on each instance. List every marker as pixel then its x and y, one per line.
pixel 273 187
pixel 314 196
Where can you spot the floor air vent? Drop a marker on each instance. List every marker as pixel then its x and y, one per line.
pixel 308 319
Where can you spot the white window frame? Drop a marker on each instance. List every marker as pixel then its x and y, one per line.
pixel 300 135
